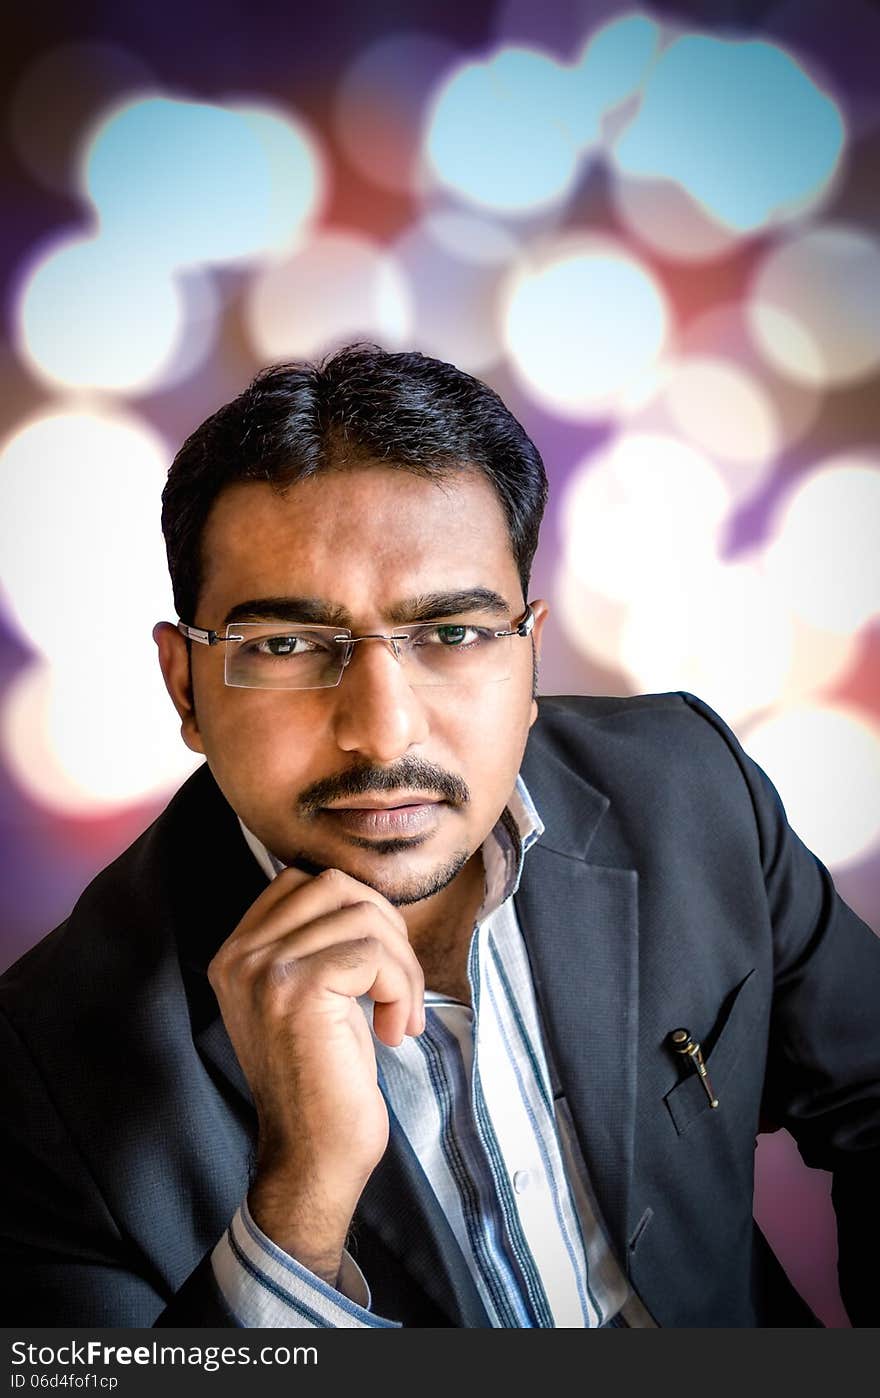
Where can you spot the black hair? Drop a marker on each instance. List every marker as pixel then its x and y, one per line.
pixel 361 403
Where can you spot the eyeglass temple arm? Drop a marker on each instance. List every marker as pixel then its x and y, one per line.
pixel 204 638
pixel 523 627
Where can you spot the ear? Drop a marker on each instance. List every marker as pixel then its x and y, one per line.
pixel 174 661
pixel 542 611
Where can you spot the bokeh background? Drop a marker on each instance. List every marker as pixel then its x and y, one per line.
pixel 655 230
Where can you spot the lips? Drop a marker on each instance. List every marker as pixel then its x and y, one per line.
pixel 375 803
pixel 410 815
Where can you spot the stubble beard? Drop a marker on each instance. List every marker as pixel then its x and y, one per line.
pixel 401 891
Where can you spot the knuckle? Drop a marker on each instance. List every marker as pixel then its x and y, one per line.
pixel 350 955
pixel 249 965
pixel 282 971
pixel 366 908
pixel 290 874
pixel 217 967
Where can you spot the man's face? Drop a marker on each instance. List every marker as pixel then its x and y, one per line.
pixel 366 546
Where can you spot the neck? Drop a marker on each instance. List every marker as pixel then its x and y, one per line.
pixel 440 927
pixel 455 905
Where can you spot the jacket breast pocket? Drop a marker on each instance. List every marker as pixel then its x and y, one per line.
pixel 722 1044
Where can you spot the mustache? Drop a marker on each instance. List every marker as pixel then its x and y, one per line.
pixel 411 773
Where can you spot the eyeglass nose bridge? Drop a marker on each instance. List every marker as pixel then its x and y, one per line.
pixel 393 640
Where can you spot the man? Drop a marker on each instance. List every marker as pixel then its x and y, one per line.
pixel 424 1003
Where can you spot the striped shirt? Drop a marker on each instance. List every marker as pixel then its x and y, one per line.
pixel 473 1095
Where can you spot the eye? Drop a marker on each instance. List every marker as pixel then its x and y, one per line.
pixel 454 637
pixel 283 646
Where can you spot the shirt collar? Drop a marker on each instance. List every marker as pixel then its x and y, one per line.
pixel 504 848
pixel 267 861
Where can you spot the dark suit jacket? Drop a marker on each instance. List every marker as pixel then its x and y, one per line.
pixel 667 890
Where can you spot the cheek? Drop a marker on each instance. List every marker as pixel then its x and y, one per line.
pixel 256 737
pixel 488 731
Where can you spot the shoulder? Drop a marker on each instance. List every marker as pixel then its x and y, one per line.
pixel 663 761
pixel 122 930
pixel 600 732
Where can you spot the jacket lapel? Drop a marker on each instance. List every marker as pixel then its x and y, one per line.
pixel 580 925
pixel 401 1209
pixel 215 1047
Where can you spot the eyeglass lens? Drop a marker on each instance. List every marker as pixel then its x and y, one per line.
pixel 302 658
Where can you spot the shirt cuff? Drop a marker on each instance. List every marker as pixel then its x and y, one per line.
pixel 264 1286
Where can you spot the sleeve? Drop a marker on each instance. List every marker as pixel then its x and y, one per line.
pixel 823 1071
pixel 263 1286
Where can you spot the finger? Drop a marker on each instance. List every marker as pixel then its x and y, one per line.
pixel 284 883
pixel 326 930
pixel 388 1025
pixel 243 960
pixel 301 898
pixel 292 960
pixel 364 966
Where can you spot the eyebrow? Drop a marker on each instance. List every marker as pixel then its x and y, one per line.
pixel 314 611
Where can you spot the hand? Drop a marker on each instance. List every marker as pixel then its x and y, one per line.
pixel 286 982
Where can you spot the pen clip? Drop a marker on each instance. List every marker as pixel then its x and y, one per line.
pixel 684 1043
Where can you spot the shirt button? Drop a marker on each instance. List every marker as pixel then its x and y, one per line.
pixel 521 1181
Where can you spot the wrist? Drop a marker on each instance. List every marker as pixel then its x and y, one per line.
pixel 309 1225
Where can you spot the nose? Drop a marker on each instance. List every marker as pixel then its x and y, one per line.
pixel 378 714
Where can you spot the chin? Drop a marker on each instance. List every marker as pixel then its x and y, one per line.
pixel 400 879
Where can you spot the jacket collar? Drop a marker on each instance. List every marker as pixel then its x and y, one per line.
pixel 571 809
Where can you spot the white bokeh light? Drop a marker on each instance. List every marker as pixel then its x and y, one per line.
pixel 338 287
pixel 723 632
pixel 718 408
pixel 721 332
pixel 644 508
pixel 82 495
pixel 722 409
pixel 820 659
pixel 825 556
pixel 85 579
pixel 720 632
pixel 91 316
pixel 90 744
pixel 832 799
pixel 454 264
pixel 814 306
pixel 471 238
pixel 582 324
pixel 591 621
pixel 666 219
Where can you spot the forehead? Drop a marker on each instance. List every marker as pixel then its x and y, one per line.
pixel 360 536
